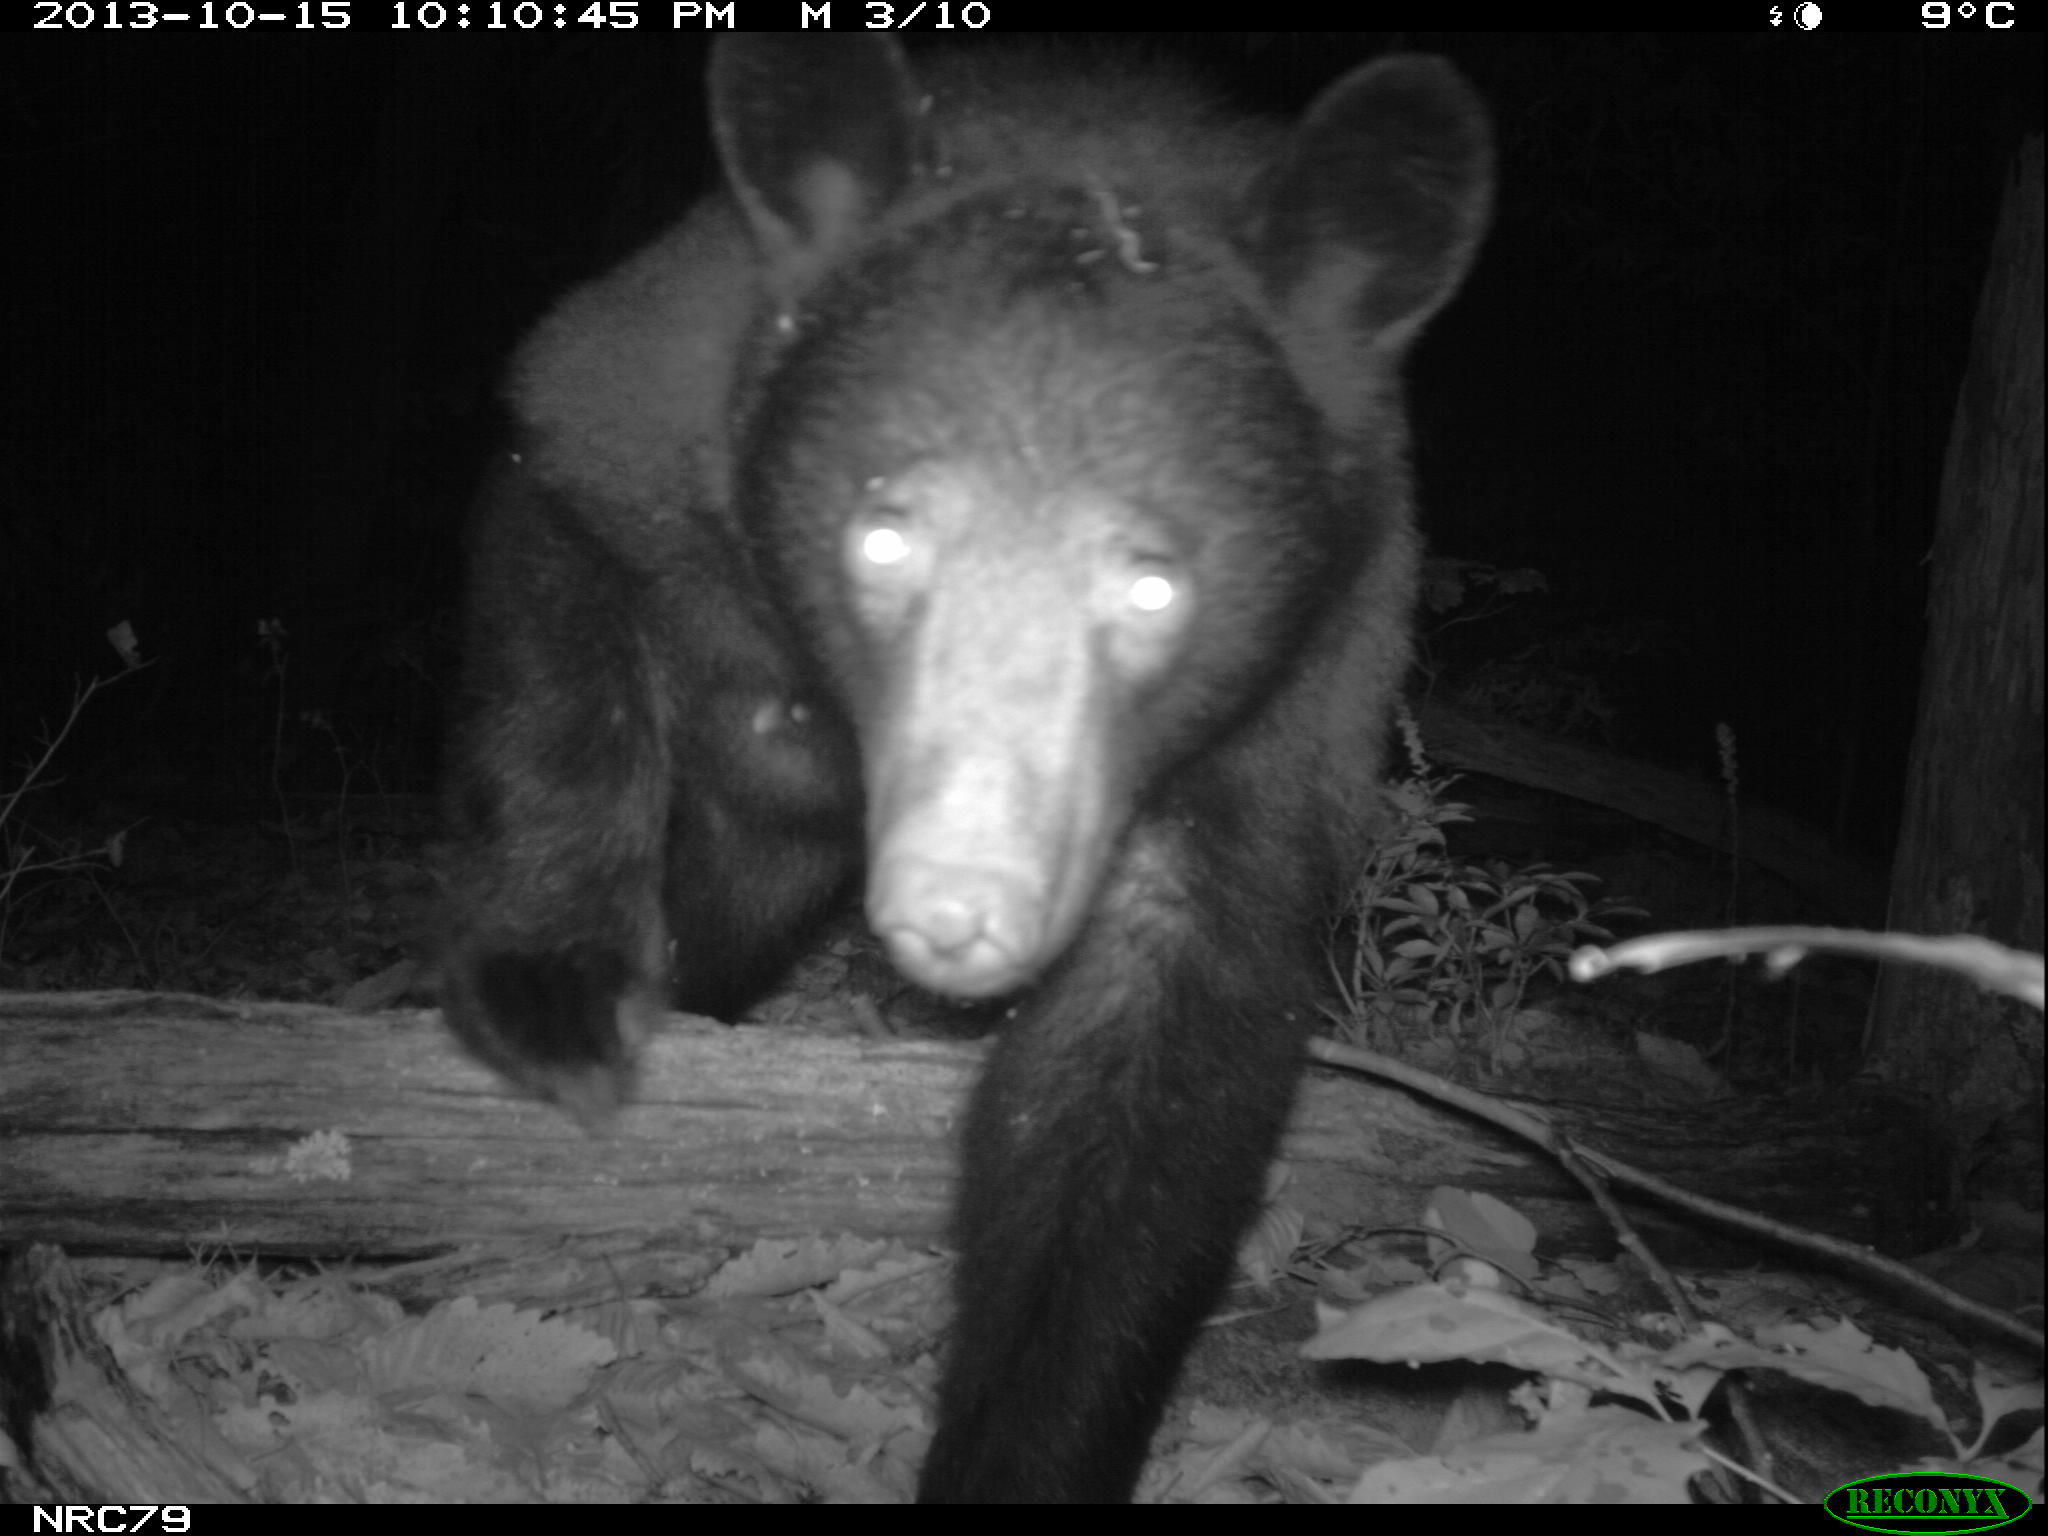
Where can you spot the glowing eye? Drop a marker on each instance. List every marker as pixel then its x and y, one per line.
pixel 1151 593
pixel 884 546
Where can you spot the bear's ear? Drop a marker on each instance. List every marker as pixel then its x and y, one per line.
pixel 1370 218
pixel 818 134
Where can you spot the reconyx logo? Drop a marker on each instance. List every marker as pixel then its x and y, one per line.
pixel 1927 1501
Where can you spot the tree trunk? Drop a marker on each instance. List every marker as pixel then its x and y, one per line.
pixel 1970 845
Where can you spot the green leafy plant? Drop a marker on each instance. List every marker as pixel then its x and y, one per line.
pixel 1431 942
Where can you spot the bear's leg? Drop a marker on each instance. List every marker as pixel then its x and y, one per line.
pixel 650 797
pixel 1116 1149
pixel 560 795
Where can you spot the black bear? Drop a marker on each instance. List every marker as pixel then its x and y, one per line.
pixel 1001 490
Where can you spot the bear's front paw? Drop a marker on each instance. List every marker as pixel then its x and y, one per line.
pixel 562 1023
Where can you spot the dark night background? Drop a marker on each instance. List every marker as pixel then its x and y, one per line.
pixel 1702 379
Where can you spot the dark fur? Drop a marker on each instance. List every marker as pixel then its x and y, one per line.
pixel 1065 332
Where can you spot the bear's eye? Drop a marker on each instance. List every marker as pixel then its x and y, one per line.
pixel 888 563
pixel 884 546
pixel 1150 593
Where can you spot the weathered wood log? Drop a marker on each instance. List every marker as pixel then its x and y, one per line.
pixel 145 1122
pixel 97 1438
pixel 1695 809
pixel 148 1123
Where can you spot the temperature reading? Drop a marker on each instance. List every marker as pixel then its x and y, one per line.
pixel 1997 14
